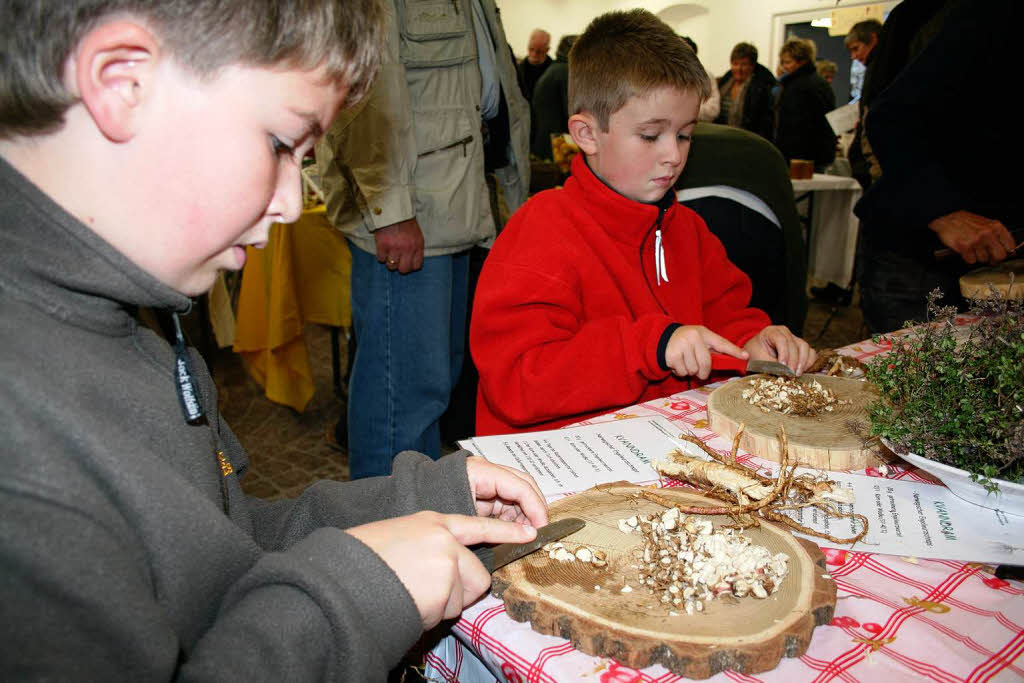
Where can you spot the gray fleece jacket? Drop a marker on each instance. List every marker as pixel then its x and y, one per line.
pixel 125 554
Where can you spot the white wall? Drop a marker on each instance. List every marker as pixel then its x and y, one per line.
pixel 726 22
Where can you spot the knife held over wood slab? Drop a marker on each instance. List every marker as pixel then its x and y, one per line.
pixel 497 556
pixel 720 361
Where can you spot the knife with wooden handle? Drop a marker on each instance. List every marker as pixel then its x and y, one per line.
pixel 720 361
pixel 497 556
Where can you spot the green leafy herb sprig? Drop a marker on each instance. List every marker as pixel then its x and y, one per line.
pixel 957 401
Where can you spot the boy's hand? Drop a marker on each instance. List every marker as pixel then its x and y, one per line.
pixel 776 342
pixel 505 493
pixel 689 350
pixel 428 552
pixel 400 246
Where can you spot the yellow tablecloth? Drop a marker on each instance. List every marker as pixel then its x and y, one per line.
pixel 301 276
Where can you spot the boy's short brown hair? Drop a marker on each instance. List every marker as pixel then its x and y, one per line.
pixel 625 54
pixel 203 35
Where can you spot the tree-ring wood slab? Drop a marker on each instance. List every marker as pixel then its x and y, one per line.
pixel 975 284
pixel 831 441
pixel 585 604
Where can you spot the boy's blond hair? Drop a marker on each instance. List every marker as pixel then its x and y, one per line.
pixel 37 36
pixel 626 54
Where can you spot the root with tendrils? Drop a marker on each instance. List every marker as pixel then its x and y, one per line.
pixel 747 493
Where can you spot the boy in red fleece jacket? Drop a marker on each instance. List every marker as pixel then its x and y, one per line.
pixel 608 292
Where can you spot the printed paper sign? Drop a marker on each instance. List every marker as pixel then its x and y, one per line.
pixel 905 518
pixel 578 458
pixel 920 520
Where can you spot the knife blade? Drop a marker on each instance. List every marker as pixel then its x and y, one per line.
pixel 497 556
pixel 720 361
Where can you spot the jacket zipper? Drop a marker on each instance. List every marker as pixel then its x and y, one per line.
pixel 656 227
pixel 660 271
pixel 464 142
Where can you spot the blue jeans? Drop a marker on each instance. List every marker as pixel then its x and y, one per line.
pixel 410 339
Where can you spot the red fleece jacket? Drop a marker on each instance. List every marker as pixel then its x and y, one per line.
pixel 569 312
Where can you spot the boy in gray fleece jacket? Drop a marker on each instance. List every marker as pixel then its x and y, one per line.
pixel 143 144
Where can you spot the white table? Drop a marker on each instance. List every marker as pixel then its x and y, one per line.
pixel 833 227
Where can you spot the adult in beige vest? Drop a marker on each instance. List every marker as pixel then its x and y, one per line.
pixel 405 178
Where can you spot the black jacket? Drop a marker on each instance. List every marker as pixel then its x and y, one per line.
pixel 549 110
pixel 528 75
pixel 757 102
pixel 801 129
pixel 932 166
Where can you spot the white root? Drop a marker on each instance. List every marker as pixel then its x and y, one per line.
pixel 713 475
pixel 738 486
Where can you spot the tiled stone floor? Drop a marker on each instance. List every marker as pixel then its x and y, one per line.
pixel 288 450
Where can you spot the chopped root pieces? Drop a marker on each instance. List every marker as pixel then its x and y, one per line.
pixel 747 494
pixel 790 396
pixel 836 364
pixel 685 562
pixel 581 554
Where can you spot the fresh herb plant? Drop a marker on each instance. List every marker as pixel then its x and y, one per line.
pixel 957 397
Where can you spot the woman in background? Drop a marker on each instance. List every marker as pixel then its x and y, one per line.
pixel 803 98
pixel 746 93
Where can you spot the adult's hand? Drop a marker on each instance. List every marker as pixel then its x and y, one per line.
pixel 505 493
pixel 976 238
pixel 428 552
pixel 400 246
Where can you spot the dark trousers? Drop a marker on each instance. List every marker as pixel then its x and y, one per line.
pixel 459 420
pixel 894 286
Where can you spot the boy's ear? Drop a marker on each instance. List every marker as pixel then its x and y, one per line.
pixel 583 128
pixel 112 72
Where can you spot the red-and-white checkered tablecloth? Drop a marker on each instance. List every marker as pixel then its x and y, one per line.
pixel 896 618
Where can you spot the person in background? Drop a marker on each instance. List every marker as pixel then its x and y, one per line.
pixel 928 195
pixel 712 106
pixel 408 178
pixel 862 38
pixel 549 110
pixel 535 63
pixel 803 99
pixel 746 93
pixel 128 549
pixel 826 69
pixel 607 291
pixel 861 42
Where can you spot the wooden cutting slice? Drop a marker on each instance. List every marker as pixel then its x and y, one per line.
pixel 975 285
pixel 585 604
pixel 831 441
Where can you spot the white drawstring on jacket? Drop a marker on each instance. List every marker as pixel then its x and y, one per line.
pixel 661 273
